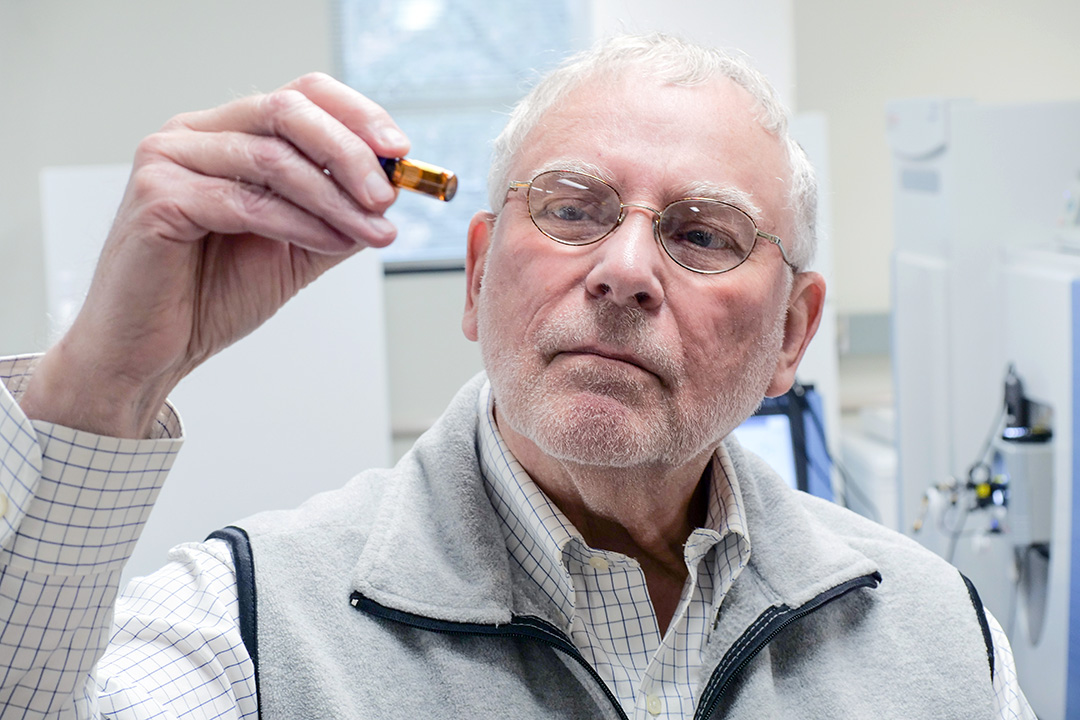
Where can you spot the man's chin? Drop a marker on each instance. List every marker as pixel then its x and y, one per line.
pixel 595 429
pixel 628 397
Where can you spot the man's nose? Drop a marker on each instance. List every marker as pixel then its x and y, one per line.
pixel 629 263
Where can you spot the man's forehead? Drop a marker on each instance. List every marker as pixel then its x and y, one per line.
pixel 656 142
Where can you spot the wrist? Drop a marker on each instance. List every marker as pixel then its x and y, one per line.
pixel 83 394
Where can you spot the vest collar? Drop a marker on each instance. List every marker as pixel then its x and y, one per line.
pixel 436 548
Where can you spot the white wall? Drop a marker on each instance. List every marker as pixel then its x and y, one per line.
pixel 83 82
pixel 763 29
pixel 853 57
pixel 429 357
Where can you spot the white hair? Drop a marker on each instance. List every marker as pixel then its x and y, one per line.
pixel 676 61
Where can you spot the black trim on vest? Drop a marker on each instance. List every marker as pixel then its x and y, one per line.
pixel 240 546
pixel 520 626
pixel 760 634
pixel 980 612
pixel 768 625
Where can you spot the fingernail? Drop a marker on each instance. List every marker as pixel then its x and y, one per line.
pixel 378 188
pixel 393 137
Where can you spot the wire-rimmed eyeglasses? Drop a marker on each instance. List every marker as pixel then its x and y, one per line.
pixel 701 234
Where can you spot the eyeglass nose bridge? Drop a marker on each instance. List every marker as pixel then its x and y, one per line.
pixel 657 214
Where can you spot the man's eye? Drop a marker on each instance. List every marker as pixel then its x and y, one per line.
pixel 700 238
pixel 705 238
pixel 569 212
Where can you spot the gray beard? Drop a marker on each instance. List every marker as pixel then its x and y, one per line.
pixel 589 433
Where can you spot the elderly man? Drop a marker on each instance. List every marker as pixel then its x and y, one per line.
pixel 575 537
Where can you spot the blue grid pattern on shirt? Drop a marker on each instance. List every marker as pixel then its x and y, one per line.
pixel 20 465
pixel 176 649
pixel 92 501
pixel 53 630
pixel 76 504
pixel 1008 697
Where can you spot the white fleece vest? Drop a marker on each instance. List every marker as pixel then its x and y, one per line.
pixel 394 597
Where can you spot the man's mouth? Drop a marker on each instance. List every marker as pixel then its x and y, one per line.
pixel 613 355
pixel 612 341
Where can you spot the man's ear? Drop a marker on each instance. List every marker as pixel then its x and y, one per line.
pixel 481 227
pixel 805 305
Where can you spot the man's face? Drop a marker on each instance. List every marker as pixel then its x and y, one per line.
pixel 610 353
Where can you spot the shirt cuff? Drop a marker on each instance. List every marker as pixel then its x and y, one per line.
pixel 74 503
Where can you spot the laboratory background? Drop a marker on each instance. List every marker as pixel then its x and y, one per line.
pixel 945 380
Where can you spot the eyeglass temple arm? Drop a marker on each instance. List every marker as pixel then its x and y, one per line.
pixel 780 244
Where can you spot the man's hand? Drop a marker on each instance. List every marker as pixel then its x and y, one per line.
pixel 228 214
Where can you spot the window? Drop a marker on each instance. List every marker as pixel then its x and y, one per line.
pixel 449 71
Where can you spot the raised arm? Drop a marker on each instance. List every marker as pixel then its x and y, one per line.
pixel 228 214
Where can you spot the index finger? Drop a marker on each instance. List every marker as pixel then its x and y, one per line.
pixel 363 116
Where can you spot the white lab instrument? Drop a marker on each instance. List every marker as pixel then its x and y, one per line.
pixel 981 281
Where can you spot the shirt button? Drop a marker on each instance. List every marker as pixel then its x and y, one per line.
pixel 3 505
pixel 598 563
pixel 654 704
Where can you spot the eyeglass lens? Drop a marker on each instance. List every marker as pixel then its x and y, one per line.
pixel 578 209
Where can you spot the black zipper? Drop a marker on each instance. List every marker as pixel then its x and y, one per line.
pixel 522 626
pixel 760 634
pixel 770 624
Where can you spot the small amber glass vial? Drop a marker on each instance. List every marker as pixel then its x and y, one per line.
pixel 420 177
